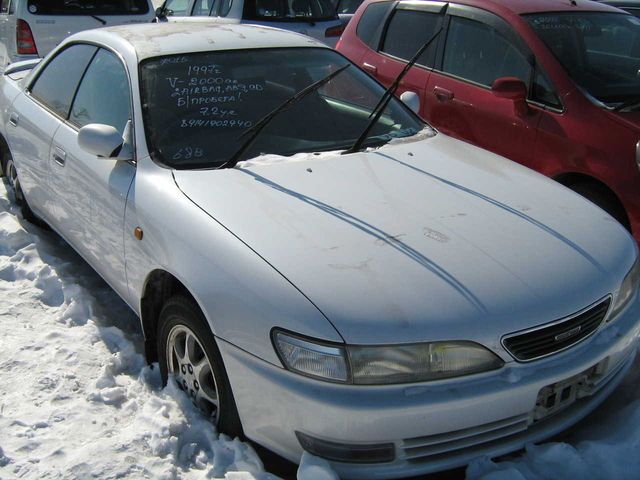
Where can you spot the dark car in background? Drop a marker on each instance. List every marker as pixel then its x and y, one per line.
pixel 552 85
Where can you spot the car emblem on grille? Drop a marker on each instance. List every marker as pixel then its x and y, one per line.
pixel 569 334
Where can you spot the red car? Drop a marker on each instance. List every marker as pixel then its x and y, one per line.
pixel 551 84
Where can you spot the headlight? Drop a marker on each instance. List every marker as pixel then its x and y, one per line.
pixel 626 292
pixel 385 364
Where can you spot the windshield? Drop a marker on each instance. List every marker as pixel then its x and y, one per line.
pixel 197 106
pixel 600 51
pixel 289 10
pixel 88 7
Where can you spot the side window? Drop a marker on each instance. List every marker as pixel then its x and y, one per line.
pixel 4 6
pixel 369 22
pixel 478 52
pixel 57 83
pixel 202 8
pixel 177 7
pixel 103 96
pixel 408 30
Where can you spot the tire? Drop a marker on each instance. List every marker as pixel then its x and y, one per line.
pixel 182 323
pixel 603 198
pixel 18 196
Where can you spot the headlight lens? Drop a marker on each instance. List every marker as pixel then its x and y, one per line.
pixel 627 290
pixel 387 364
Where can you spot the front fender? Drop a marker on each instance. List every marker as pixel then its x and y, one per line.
pixel 242 296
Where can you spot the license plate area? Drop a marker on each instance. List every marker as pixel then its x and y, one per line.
pixel 560 395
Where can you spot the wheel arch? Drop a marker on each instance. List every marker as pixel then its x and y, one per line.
pixel 572 179
pixel 159 286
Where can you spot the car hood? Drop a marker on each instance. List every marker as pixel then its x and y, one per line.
pixel 424 240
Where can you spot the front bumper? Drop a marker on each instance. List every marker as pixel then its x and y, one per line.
pixel 434 426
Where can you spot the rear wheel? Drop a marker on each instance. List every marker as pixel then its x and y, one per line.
pixel 18 195
pixel 187 351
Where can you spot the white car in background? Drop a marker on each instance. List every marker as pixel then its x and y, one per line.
pixel 315 18
pixel 315 271
pixel 32 28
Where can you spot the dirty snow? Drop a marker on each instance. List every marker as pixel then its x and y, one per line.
pixel 77 399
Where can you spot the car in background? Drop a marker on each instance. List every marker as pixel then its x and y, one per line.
pixel 32 28
pixel 552 85
pixel 314 18
pixel 631 6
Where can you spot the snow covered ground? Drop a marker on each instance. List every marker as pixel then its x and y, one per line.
pixel 77 399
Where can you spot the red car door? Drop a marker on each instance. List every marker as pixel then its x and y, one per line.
pixel 459 101
pixel 410 26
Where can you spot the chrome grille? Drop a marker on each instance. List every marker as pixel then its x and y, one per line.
pixel 555 337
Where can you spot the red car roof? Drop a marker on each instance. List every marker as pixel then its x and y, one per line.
pixel 532 6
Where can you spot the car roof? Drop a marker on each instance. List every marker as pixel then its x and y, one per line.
pixel 533 6
pixel 624 3
pixel 159 39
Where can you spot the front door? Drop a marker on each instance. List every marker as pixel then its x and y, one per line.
pixel 480 48
pixel 94 190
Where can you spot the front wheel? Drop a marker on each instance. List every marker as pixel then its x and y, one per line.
pixel 187 351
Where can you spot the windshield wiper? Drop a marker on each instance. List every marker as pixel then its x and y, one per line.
pixel 376 113
pixel 103 22
pixel 254 131
pixel 635 101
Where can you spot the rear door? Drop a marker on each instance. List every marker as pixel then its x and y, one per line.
pixel 51 21
pixel 408 28
pixel 481 47
pixel 35 117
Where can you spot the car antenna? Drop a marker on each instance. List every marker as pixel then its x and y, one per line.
pixel 388 95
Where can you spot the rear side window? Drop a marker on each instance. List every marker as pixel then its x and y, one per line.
pixel 370 21
pixel 408 30
pixel 57 83
pixel 103 96
pixel 88 7
pixel 478 52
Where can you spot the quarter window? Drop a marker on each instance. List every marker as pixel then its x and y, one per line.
pixel 408 30
pixel 57 83
pixel 103 96
pixel 478 52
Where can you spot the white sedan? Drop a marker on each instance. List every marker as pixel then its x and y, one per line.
pixel 395 301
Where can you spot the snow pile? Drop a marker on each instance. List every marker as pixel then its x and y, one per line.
pixel 77 398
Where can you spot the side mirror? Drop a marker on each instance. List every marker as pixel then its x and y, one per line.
pixel 411 100
pixel 104 141
pixel 512 88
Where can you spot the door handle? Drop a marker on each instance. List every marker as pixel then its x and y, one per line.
pixel 443 94
pixel 370 68
pixel 59 156
pixel 13 119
